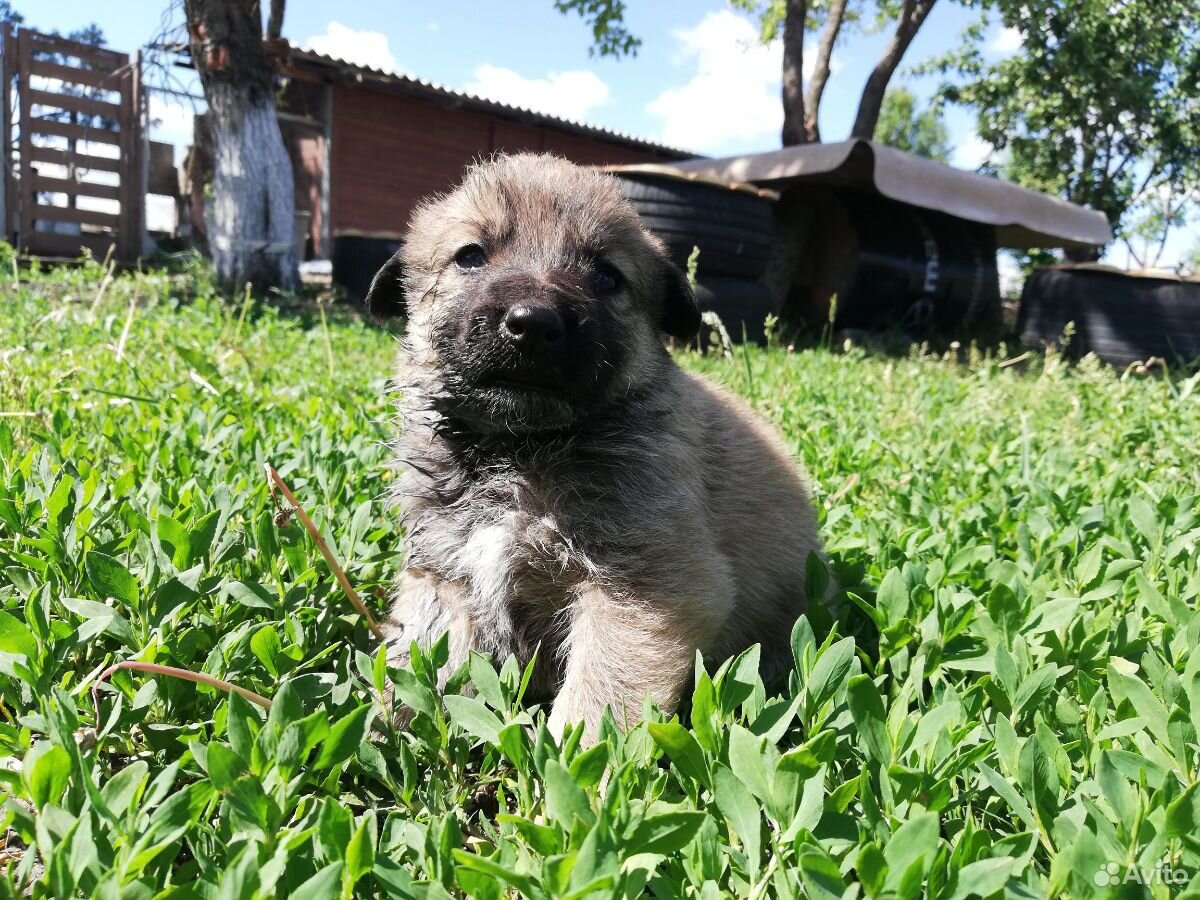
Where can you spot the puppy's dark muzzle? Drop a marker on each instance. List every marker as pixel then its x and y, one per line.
pixel 534 329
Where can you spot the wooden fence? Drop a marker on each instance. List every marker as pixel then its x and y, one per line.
pixel 78 120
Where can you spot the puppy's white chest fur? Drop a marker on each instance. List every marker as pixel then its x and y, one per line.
pixel 485 560
pixel 512 559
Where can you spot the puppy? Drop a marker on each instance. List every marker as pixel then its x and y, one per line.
pixel 566 490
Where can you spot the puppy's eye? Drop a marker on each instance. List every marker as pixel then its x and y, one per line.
pixel 606 279
pixel 471 256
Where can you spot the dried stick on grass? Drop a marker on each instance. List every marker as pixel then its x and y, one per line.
pixel 274 481
pixel 186 674
pixel 109 266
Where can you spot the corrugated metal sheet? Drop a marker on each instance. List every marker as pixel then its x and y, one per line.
pixel 1021 217
pixel 417 86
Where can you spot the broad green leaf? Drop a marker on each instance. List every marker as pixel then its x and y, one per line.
pixel 45 771
pixel 344 737
pixel 830 671
pixel 321 886
pixel 666 833
pixel 737 805
pixel 110 578
pixel 15 636
pixel 360 852
pixel 472 716
pixel 681 748
pixel 866 706
pixel 267 647
pixel 909 854
pixel 588 767
pixel 565 800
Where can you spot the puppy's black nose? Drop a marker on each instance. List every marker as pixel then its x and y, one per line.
pixel 532 327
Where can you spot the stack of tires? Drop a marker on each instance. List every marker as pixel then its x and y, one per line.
pixel 356 259
pixel 1122 317
pixel 733 230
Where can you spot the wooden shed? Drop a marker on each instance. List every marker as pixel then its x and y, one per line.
pixel 367 145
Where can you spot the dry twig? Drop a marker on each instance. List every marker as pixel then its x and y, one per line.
pixel 274 481
pixel 175 672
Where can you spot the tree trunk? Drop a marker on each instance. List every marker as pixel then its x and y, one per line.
pixel 252 231
pixel 816 86
pixel 912 16
pixel 795 129
pixel 1082 254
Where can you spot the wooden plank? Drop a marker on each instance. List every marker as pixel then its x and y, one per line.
pixel 25 200
pixel 74 132
pixel 77 104
pixel 8 68
pixel 102 57
pixel 94 78
pixel 45 185
pixel 44 213
pixel 79 160
pixel 133 176
pixel 162 177
pixel 47 243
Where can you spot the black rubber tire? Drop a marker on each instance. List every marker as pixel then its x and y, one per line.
pixel 1120 318
pixel 743 306
pixel 356 259
pixel 733 229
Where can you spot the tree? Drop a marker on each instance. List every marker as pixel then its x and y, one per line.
pixel 1150 220
pixel 834 18
pixel 606 18
pixel 252 235
pixel 903 126
pixel 791 20
pixel 1191 261
pixel 1100 106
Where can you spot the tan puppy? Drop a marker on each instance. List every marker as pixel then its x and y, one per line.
pixel 566 488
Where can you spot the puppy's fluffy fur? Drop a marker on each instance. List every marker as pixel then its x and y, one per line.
pixel 597 506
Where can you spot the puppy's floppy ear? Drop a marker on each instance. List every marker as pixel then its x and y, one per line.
pixel 680 312
pixel 386 295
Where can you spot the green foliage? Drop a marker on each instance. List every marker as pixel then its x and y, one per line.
pixel 610 36
pixel 1005 703
pixel 1101 105
pixel 771 15
pixel 1191 260
pixel 906 127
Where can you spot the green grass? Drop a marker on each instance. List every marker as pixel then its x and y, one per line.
pixel 1005 704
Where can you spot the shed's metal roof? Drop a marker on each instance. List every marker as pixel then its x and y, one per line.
pixel 311 58
pixel 1022 217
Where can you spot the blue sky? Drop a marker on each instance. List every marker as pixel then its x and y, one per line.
pixel 701 80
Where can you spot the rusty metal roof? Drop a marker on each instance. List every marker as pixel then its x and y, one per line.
pixel 1022 217
pixel 311 59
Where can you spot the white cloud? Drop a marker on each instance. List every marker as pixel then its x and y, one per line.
pixel 1004 42
pixel 171 122
pixel 1010 274
pixel 971 152
pixel 570 95
pixel 732 101
pixel 363 48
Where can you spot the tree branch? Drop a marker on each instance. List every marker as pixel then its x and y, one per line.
pixel 816 87
pixel 275 20
pixel 912 16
